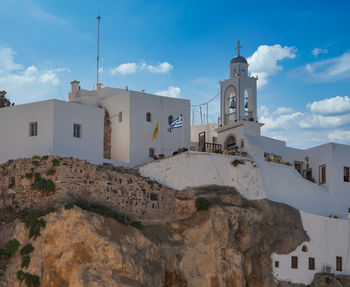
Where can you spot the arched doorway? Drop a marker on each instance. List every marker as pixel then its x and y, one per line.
pixel 230 142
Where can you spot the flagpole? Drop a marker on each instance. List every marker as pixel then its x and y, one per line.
pixel 182 132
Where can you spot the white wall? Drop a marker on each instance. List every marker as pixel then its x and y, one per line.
pixel 192 169
pixel 91 119
pixel 141 131
pixel 209 129
pixel 15 141
pixel 328 238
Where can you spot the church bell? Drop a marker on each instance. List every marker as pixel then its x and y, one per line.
pixel 233 104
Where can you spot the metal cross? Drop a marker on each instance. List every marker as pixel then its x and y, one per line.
pixel 238 47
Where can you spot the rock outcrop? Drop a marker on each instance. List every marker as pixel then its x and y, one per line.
pixel 228 245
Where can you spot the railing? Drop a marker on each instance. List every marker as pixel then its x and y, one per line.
pixel 213 146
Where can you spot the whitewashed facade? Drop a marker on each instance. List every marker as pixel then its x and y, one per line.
pixel 54 121
pixel 134 116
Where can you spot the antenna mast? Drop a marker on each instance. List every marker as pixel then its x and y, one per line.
pixel 98 47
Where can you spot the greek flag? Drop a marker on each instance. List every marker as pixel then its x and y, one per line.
pixel 177 123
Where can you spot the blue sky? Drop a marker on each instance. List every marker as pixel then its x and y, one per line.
pixel 299 49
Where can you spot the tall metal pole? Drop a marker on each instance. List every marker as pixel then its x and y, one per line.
pixel 98 46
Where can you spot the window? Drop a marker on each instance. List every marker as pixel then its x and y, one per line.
pixel 120 117
pixel 151 152
pixel 277 264
pixel 77 131
pixel 242 143
pixel 304 248
pixel 33 129
pixel 346 174
pixel 322 174
pixel 294 262
pixel 339 263
pixel 148 117
pixel 311 263
pixel 170 119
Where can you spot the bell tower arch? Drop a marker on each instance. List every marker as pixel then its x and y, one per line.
pixel 238 93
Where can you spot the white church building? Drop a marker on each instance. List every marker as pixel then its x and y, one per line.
pixel 103 126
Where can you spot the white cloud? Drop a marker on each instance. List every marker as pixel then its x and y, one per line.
pixel 283 110
pixel 7 63
pixel 318 51
pixel 320 121
pixel 27 84
pixel 124 69
pixel 264 62
pixel 131 68
pixel 335 105
pixel 276 121
pixel 172 92
pixel 333 69
pixel 339 136
pixel 162 68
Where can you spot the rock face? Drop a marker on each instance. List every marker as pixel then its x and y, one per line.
pixel 228 245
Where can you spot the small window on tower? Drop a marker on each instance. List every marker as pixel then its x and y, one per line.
pixel 148 117
pixel 170 119
pixel 151 152
pixel 242 143
pixel 77 131
pixel 346 174
pixel 311 263
pixel 33 129
pixel 120 117
pixel 294 262
pixel 339 261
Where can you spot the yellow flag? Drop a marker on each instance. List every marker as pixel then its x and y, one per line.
pixel 155 133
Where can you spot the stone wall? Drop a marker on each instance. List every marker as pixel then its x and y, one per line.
pixel 107 137
pixel 123 190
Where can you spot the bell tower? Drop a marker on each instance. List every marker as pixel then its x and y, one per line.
pixel 238 93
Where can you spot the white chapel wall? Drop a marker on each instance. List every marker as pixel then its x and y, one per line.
pixel 141 131
pixel 90 145
pixel 329 238
pixel 14 130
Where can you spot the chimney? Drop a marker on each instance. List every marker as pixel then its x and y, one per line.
pixel 75 88
pixel 99 86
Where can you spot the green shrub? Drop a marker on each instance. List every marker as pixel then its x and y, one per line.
pixel 202 203
pixel 237 162
pixel 27 249
pixel 51 171
pixel 25 261
pixel 136 224
pixel 46 186
pixel 55 162
pixel 34 224
pixel 35 163
pixel 69 206
pixel 11 248
pixel 29 175
pixel 48 211
pixel 20 275
pixel 36 156
pixel 29 279
pixel 328 280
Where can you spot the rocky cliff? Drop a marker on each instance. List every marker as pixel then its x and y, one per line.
pixel 229 244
